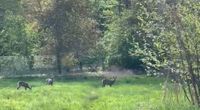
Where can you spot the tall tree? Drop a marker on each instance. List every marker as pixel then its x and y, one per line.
pixel 72 27
pixel 175 46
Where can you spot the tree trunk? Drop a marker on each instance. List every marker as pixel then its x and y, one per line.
pixel 30 62
pixel 58 59
pixel 80 65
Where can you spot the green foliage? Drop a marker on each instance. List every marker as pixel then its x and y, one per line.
pixel 13 34
pixel 11 5
pixel 123 34
pixel 171 41
pixel 69 61
pixel 16 36
pixel 103 11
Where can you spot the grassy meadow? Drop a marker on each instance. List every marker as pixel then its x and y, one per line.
pixel 129 93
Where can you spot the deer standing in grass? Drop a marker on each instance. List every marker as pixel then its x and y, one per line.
pixel 50 81
pixel 109 82
pixel 23 84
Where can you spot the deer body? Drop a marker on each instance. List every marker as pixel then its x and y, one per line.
pixel 23 84
pixel 109 82
pixel 49 81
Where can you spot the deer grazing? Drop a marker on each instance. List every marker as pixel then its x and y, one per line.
pixel 50 81
pixel 109 82
pixel 23 84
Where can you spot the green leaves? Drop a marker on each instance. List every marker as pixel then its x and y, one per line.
pixel 16 38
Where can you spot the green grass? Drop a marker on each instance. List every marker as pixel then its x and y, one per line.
pixel 133 93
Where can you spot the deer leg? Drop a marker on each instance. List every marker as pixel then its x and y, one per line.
pixel 18 87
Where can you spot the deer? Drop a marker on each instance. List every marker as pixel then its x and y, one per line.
pixel 50 81
pixel 23 84
pixel 109 82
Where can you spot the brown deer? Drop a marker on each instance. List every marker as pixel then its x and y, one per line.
pixel 109 82
pixel 50 81
pixel 23 84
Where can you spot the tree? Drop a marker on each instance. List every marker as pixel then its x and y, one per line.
pixel 185 54
pixel 17 37
pixel 131 25
pixel 175 46
pixel 72 27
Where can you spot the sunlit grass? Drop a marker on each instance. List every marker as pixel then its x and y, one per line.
pixel 87 94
